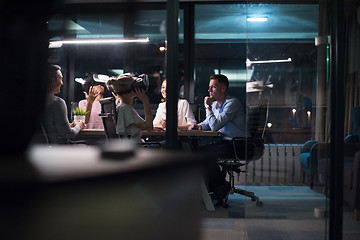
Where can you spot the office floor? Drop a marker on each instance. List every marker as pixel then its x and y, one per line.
pixel 287 214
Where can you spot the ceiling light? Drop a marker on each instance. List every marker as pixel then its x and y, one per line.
pixel 256 19
pixel 248 62
pixel 59 43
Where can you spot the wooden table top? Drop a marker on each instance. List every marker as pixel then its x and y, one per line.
pixel 184 133
pixel 92 132
pixel 181 133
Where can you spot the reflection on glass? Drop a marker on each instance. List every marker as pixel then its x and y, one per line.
pixel 270 63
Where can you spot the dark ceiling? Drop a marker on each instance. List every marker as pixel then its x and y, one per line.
pixel 217 23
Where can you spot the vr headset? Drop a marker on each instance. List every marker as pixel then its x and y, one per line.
pixel 140 82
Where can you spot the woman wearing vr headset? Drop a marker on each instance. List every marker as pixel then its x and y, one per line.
pixel 185 115
pixel 129 123
pixel 94 91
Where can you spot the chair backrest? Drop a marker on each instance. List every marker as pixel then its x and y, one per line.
pixel 109 116
pixel 252 148
pixel 195 108
pixel 40 136
pixel 256 119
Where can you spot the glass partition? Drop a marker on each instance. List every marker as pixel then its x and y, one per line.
pixel 274 54
pixel 269 55
pixel 273 61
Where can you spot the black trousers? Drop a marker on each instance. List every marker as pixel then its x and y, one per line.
pixel 214 177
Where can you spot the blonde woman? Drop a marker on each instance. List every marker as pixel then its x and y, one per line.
pixel 129 123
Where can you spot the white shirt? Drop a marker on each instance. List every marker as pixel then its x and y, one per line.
pixel 185 115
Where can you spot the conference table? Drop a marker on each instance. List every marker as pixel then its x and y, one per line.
pixel 181 133
pixel 189 139
pixel 90 132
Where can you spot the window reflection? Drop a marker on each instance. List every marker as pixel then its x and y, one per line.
pixel 276 58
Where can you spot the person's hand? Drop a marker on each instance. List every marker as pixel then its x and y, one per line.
pixel 163 123
pixel 208 100
pixel 158 128
pixel 81 124
pixel 90 97
pixel 140 94
pixel 195 126
pixel 115 96
pixel 73 124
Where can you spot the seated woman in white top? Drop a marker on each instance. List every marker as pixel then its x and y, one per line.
pixel 185 115
pixel 129 123
pixel 55 121
pixel 93 93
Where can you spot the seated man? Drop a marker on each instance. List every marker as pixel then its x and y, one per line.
pixel 55 121
pixel 226 115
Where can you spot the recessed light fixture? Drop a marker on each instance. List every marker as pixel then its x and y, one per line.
pixel 248 62
pixel 59 43
pixel 256 19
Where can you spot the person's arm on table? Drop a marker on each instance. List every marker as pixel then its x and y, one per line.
pixel 65 129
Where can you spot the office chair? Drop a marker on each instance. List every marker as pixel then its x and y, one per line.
pixel 40 136
pixel 109 117
pixel 246 150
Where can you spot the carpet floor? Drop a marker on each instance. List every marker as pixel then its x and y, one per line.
pixel 288 213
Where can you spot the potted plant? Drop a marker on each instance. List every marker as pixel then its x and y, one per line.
pixel 79 114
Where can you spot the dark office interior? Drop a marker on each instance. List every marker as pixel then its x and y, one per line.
pixel 300 60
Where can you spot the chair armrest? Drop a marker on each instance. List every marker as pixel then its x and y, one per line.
pixel 351 138
pixel 306 148
pixel 320 150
